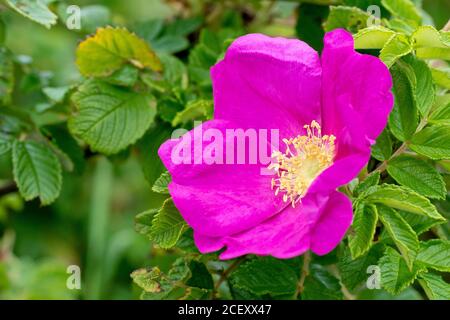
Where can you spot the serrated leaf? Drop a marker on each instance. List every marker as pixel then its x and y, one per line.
pixel 110 118
pixel 354 271
pixel 37 171
pixel 419 223
pixel 371 180
pixel 435 287
pixel 349 18
pixel 143 222
pixel 395 275
pixel 432 142
pixel 423 85
pixel 195 110
pixel 320 284
pixel 403 9
pixel 265 275
pixel 373 37
pixel 161 184
pixel 396 47
pixel 364 225
pixel 110 49
pixel 35 10
pixel 435 254
pixel 403 119
pixel 401 232
pixel 382 149
pixel 401 198
pixel 167 225
pixel 417 175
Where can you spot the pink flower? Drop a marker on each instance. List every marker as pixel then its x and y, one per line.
pixel 328 111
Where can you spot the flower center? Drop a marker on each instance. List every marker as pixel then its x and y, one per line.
pixel 305 158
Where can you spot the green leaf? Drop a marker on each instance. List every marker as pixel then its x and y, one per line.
pixel 401 198
pixel 435 287
pixel 195 110
pixel 201 278
pixel 435 254
pixel 441 111
pixel 174 70
pixel 404 9
pixel 265 275
pixel 110 118
pixel 403 119
pixel 6 76
pixel 349 18
pixel 441 77
pixel 110 49
pixel 161 184
pixel 5 143
pixel 320 284
pixel 364 225
pixel 147 148
pixel 147 279
pixel 373 37
pixel 432 142
pixel 401 232
pixel 418 175
pixel 126 76
pixel 419 223
pixel 396 47
pixel 424 87
pixel 430 43
pixel 354 271
pixel 167 225
pixel 35 10
pixel 382 149
pixel 395 275
pixel 143 222
pixel 37 171
pixel 372 180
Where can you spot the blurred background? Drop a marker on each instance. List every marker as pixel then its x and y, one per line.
pixel 91 224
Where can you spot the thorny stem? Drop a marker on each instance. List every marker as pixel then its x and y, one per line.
pixel 226 273
pixel 304 274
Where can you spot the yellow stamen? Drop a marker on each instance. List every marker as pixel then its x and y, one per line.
pixel 306 156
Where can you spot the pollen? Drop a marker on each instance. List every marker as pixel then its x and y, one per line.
pixel 306 156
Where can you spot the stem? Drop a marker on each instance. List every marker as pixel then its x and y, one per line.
pixel 304 274
pixel 226 273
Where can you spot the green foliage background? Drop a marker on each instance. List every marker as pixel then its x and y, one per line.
pixel 80 124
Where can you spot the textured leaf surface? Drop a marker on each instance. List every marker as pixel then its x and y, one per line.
pixel 435 254
pixel 402 198
pixel 320 284
pixel 395 275
pixel 432 142
pixel 265 275
pixel 110 118
pixel 402 8
pixel 435 287
pixel 401 232
pixel 110 48
pixel 374 37
pixel 167 225
pixel 161 183
pixel 349 18
pixel 37 171
pixel 364 225
pixel 396 47
pixel 418 175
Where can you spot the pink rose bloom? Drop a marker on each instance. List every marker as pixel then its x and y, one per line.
pixel 328 111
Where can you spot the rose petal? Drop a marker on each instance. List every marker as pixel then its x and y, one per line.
pixel 266 82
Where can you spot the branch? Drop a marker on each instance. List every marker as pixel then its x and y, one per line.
pixel 226 273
